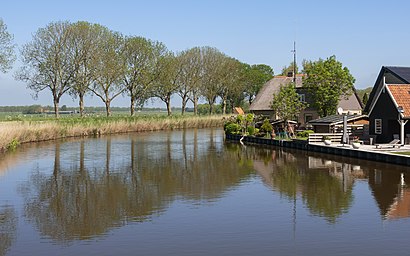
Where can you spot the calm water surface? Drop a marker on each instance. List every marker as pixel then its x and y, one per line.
pixel 192 193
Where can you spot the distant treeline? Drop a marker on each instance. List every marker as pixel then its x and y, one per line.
pixel 203 109
pixel 37 109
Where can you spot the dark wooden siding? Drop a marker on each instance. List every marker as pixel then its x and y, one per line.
pixel 321 128
pixel 385 110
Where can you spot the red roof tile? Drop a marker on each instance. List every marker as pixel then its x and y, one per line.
pixel 401 93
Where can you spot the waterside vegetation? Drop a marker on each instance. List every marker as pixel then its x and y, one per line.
pixel 14 133
pixel 259 126
pixel 250 125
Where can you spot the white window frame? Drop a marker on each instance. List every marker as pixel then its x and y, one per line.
pixel 378 126
pixel 302 97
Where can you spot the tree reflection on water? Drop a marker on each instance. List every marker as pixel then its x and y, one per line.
pixel 138 180
pixel 94 186
pixel 8 226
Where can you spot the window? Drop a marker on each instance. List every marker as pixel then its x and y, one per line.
pixel 308 117
pixel 378 126
pixel 302 98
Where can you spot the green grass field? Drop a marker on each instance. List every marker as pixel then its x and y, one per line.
pixel 18 116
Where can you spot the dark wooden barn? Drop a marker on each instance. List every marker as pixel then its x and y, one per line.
pixel 389 105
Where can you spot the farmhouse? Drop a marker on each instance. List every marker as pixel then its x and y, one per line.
pixel 389 105
pixel 263 100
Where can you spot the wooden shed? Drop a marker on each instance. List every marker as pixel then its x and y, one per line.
pixel 334 124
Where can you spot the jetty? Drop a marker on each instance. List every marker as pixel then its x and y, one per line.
pixel 366 152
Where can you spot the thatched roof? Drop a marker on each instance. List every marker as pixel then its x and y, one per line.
pixel 264 98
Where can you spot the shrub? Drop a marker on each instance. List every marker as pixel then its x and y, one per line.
pixel 13 144
pixel 266 126
pixel 325 137
pixel 232 128
pixel 252 130
pixel 305 133
pixel 249 118
pixel 240 119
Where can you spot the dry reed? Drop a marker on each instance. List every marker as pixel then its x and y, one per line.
pixel 17 132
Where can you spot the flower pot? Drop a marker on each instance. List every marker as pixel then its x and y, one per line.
pixel 327 142
pixel 356 145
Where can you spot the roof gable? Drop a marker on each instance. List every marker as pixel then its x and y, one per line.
pixel 263 99
pixel 401 75
pixel 401 95
pixel 350 102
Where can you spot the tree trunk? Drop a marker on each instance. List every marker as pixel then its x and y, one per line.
pixel 132 109
pixel 184 101
pixel 107 107
pixel 56 102
pixel 81 103
pixel 195 105
pixel 224 106
pixel 211 108
pixel 168 102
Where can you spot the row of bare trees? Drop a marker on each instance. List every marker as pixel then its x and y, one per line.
pixel 81 58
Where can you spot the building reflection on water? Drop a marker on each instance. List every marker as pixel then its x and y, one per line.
pixel 325 182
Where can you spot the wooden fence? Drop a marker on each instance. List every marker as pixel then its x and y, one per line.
pixel 317 137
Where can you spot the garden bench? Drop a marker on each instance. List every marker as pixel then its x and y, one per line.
pixel 394 143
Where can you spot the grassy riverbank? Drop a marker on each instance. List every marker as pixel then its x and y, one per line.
pixel 13 133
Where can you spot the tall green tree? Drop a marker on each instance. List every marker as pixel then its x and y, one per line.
pixel 197 89
pixel 306 64
pixel 231 86
pixel 254 77
pixel 84 44
pixel 167 83
pixel 327 81
pixel 211 75
pixel 49 61
pixel 286 103
pixel 109 67
pixel 190 77
pixel 365 98
pixel 142 62
pixel 7 56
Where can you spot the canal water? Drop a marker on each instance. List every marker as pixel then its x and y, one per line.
pixel 192 193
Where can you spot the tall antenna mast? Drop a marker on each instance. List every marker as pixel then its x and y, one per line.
pixel 294 61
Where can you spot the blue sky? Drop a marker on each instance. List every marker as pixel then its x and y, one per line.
pixel 364 35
